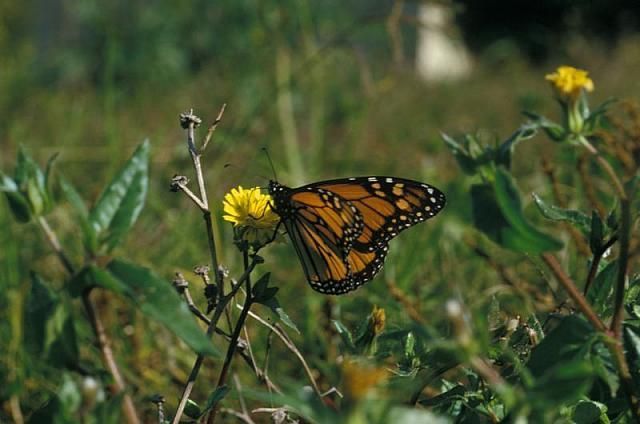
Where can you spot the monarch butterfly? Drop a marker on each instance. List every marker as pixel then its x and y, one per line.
pixel 341 228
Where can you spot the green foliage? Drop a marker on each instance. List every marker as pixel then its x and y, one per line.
pixel 517 349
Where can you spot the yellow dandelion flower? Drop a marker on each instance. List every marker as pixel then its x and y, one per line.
pixel 250 212
pixel 361 378
pixel 568 82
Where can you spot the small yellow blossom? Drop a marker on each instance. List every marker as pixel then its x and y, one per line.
pixel 378 319
pixel 361 378
pixel 250 212
pixel 569 82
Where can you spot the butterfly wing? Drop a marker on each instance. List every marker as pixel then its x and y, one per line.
pixel 388 206
pixel 341 228
pixel 323 227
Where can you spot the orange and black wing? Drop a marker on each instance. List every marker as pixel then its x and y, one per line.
pixel 388 205
pixel 340 229
pixel 323 227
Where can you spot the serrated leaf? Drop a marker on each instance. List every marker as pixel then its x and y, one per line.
pixel 121 202
pixel 154 297
pixel 578 219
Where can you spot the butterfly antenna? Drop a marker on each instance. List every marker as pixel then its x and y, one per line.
pixel 273 169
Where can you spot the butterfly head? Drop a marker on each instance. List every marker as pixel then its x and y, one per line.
pixel 280 198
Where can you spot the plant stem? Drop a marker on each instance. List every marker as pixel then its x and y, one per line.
pixel 606 166
pixel 623 261
pixel 248 301
pixel 217 313
pixel 573 292
pixel 597 257
pixel 104 344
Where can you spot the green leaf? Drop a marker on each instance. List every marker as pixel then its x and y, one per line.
pixel 19 206
pixel 505 150
pixel 192 410
pixel 261 292
pixel 565 382
pixel 524 237
pixel 578 219
pixel 597 233
pixel 565 343
pixel 216 396
pixel 7 183
pixel 589 412
pixel 497 212
pixel 631 337
pixel 601 292
pixel 32 183
pixel 471 157
pixel 121 202
pixel 51 328
pixel 554 131
pixel 592 120
pixel 345 335
pixel 41 305
pixel 273 304
pixel 63 348
pixel 154 297
pixel 89 236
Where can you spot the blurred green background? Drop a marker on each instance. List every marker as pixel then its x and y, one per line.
pixel 331 89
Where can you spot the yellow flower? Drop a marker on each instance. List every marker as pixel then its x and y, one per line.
pixel 569 82
pixel 361 378
pixel 378 319
pixel 250 212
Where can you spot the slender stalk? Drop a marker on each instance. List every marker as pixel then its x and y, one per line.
pixel 248 301
pixel 606 166
pixel 623 261
pixel 573 292
pixel 103 341
pixel 597 257
pixel 291 346
pixel 217 313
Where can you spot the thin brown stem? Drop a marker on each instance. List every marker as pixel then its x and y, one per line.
pixel 291 346
pixel 573 291
pixel 623 262
pixel 102 340
pixel 608 169
pixel 577 237
pixel 212 129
